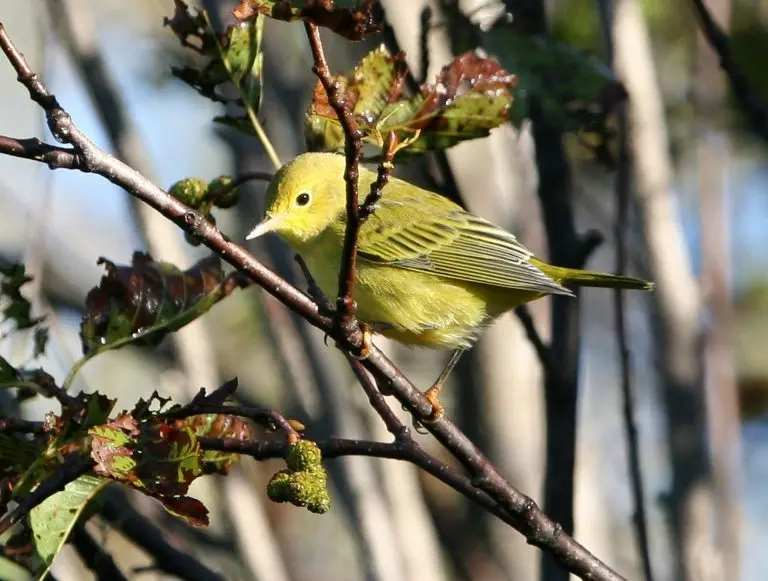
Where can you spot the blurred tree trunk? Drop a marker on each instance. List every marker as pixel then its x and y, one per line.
pixel 710 94
pixel 677 305
pixel 500 401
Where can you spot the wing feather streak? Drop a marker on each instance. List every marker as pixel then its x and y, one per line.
pixel 457 245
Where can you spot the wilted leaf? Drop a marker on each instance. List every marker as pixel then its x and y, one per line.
pixel 143 302
pixel 221 426
pixel 234 56
pixel 14 307
pixel 188 509
pixel 53 519
pixel 157 457
pixel 471 96
pixel 352 19
pixel 37 459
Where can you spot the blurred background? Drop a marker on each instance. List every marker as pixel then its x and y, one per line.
pixel 697 226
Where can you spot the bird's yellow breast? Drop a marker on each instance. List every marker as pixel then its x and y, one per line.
pixel 412 307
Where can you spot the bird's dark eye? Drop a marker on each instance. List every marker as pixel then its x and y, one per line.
pixel 302 199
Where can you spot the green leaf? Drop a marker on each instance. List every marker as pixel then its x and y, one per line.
pixel 235 56
pixel 352 19
pixel 471 96
pixel 574 90
pixel 53 519
pixel 142 303
pixel 11 571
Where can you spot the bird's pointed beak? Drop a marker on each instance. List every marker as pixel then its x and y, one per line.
pixel 268 224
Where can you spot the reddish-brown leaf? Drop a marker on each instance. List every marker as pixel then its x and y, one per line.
pixel 143 302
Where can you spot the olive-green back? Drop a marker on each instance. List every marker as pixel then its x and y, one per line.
pixel 416 229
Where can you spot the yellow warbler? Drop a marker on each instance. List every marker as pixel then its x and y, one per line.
pixel 429 273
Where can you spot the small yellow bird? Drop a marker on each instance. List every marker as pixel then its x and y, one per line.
pixel 429 273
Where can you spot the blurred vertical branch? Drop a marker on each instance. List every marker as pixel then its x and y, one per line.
pixel 710 94
pixel 499 402
pixel 623 193
pixel 566 248
pixel 677 308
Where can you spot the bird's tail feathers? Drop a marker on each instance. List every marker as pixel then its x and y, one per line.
pixel 570 277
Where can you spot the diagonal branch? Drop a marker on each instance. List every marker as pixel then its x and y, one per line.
pixel 71 469
pixel 523 513
pixel 755 106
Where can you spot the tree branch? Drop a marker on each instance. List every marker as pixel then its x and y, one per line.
pixel 94 556
pixel 345 315
pixel 125 518
pixel 522 512
pixel 755 106
pixel 213 403
pixel 73 467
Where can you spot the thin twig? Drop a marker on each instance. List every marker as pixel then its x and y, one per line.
pixel 313 288
pixel 405 449
pixel 345 315
pixel 630 427
pixel 382 177
pixel 623 191
pixel 524 514
pixel 754 105
pixel 543 352
pixel 213 403
pixel 394 426
pixel 71 469
pixel 94 556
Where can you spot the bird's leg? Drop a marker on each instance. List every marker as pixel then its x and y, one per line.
pixel 433 393
pixel 365 347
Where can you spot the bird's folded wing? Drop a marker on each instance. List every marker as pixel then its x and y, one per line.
pixel 450 243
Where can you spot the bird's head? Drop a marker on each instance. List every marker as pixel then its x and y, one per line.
pixel 303 198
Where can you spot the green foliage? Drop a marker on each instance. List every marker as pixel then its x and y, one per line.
pixel 470 96
pixel 220 426
pixel 234 56
pixel 53 519
pixel 352 19
pixel 574 91
pixel 141 303
pixel 14 307
pixel 305 482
